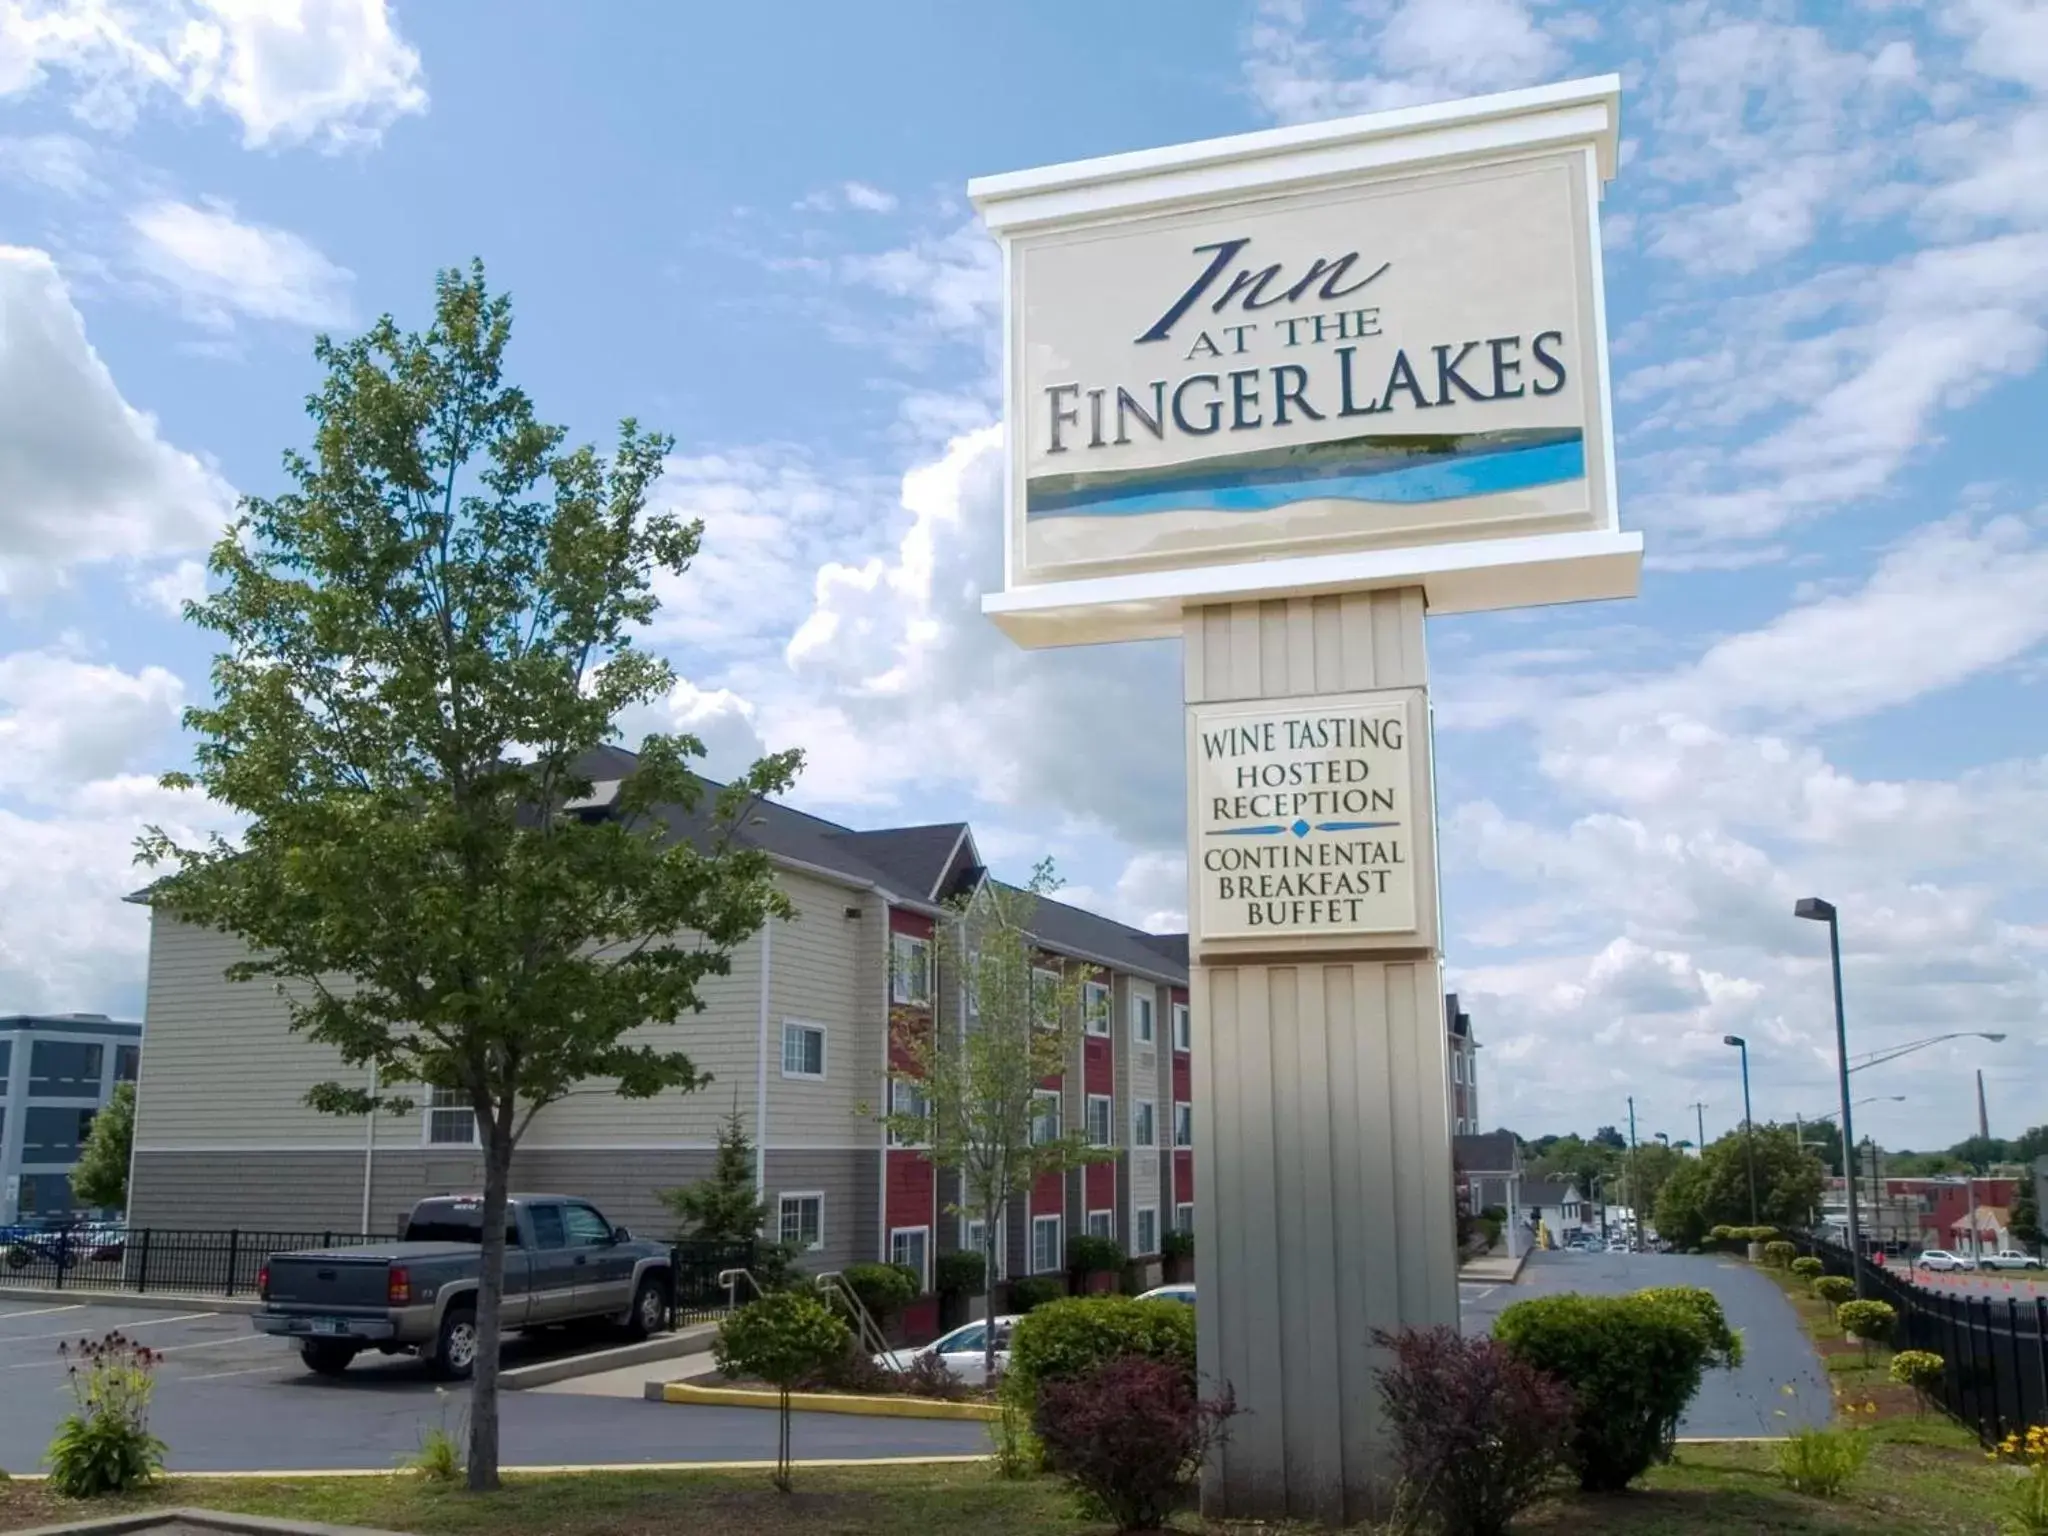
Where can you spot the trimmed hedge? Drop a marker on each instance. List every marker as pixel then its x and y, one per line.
pixel 884 1289
pixel 1779 1253
pixel 1030 1292
pixel 1095 1255
pixel 1807 1267
pixel 1724 1344
pixel 962 1274
pixel 1833 1289
pixel 1067 1339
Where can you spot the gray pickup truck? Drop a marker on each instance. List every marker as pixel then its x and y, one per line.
pixel 564 1263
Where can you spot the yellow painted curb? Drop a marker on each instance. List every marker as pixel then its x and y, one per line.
pixel 830 1402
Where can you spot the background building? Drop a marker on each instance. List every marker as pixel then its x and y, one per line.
pixel 56 1072
pixel 1463 1053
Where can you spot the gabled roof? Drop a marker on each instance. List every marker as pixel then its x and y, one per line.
pixel 1548 1191
pixel 917 856
pixel 1494 1152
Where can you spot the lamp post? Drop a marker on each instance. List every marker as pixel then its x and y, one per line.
pixel 1748 1129
pixel 1816 910
pixel 1894 1052
pixel 1700 1114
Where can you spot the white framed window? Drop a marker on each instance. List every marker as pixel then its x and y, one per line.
pixel 1183 1124
pixel 912 1247
pixel 1184 1216
pixel 1458 1128
pixel 1095 1007
pixel 1183 1028
pixel 451 1121
pixel 1101 1126
pixel 910 969
pixel 1045 997
pixel 1045 1117
pixel 907 1098
pixel 1147 1229
pixel 1144 1129
pixel 972 1234
pixel 1101 1224
pixel 1141 1016
pixel 801 1219
pixel 803 1049
pixel 1047 1251
pixel 1458 1067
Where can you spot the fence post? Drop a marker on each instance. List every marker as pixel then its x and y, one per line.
pixel 142 1270
pixel 63 1253
pixel 234 1245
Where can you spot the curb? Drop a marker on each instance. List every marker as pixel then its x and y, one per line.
pixel 145 1301
pixel 201 1520
pixel 830 1402
pixel 666 1346
pixel 565 1469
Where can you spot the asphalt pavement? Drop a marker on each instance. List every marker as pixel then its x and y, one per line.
pixel 1750 1400
pixel 230 1399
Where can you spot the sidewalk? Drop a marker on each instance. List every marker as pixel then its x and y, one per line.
pixel 1494 1268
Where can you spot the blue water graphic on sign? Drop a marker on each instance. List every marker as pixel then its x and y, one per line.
pixel 1302 828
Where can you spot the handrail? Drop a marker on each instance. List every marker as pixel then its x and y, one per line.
pixel 730 1279
pixel 872 1340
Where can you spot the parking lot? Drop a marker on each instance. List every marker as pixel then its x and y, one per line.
pixel 229 1399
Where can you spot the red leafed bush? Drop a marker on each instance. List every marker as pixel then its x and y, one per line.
pixel 1478 1433
pixel 1131 1435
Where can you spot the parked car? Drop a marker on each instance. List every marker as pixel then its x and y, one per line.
pixel 1181 1291
pixel 564 1263
pixel 2009 1258
pixel 964 1351
pixel 1940 1259
pixel 62 1241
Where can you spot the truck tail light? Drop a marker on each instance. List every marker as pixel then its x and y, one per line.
pixel 398 1290
pixel 263 1283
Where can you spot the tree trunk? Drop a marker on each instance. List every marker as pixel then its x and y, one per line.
pixel 490 1299
pixel 988 1293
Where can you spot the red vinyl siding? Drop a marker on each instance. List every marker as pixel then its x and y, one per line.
pixel 911 1190
pixel 1101 1186
pixel 1098 1068
pixel 1184 1177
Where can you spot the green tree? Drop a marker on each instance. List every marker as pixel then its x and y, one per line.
pixel 2026 1213
pixel 781 1339
pixel 425 641
pixel 1608 1136
pixel 1570 1157
pixel 1980 1153
pixel 724 1207
pixel 2030 1144
pixel 973 1096
pixel 1713 1189
pixel 101 1177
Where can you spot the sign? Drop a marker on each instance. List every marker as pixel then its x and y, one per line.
pixel 1380 339
pixel 1305 817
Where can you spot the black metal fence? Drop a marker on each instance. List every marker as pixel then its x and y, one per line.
pixel 1994 1349
pixel 694 1268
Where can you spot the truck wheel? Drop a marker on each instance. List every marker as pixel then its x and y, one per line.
pixel 650 1308
pixel 326 1357
pixel 17 1258
pixel 455 1344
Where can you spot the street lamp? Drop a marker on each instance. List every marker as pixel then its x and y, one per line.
pixel 1893 1053
pixel 1748 1129
pixel 1816 910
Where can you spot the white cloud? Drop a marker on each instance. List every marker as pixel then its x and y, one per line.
pixel 856 195
pixel 55 162
pixel 84 476
pixel 65 722
pixel 168 591
pixel 219 266
pixel 328 72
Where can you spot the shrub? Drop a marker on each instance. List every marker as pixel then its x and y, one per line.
pixel 930 1376
pixel 852 1370
pixel 1780 1254
pixel 1722 1234
pixel 1477 1432
pixel 1095 1256
pixel 884 1289
pixel 1834 1290
pixel 2026 1500
pixel 1073 1337
pixel 962 1274
pixel 1821 1462
pixel 1177 1243
pixel 439 1458
pixel 1724 1343
pixel 104 1444
pixel 1632 1363
pixel 1034 1291
pixel 1012 1446
pixel 1868 1322
pixel 1806 1266
pixel 1131 1435
pixel 1920 1369
pixel 782 1338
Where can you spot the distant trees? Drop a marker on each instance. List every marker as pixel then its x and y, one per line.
pixel 1713 1189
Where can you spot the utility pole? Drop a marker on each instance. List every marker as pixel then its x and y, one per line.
pixel 1700 1115
pixel 1635 1236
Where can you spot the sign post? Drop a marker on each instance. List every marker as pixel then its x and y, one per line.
pixel 1282 395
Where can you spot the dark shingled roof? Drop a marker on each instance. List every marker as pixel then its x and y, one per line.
pixel 916 856
pixel 1545 1191
pixel 1493 1152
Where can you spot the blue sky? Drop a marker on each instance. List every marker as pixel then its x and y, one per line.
pixel 1828 288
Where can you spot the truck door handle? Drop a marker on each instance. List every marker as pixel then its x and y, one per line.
pixel 582 1259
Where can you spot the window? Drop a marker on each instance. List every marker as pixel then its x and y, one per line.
pixel 65 1069
pixel 455 1219
pixel 911 1247
pixel 1095 1007
pixel 54 1135
pixel 127 1063
pixel 1046 1257
pixel 1458 1068
pixel 802 1220
pixel 1183 1028
pixel 450 1120
pixel 1148 1229
pixel 548 1231
pixel 6 1061
pixel 1144 1130
pixel 1101 1224
pixel 1183 1125
pixel 1045 1117
pixel 1184 1216
pixel 803 1050
pixel 973 1235
pixel 910 969
pixel 1045 998
pixel 1101 1133
pixel 1141 1017
pixel 907 1099
pixel 585 1228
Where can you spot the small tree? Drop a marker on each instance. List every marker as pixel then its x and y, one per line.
pixel 1867 1322
pixel 2025 1224
pixel 101 1177
pixel 781 1339
pixel 982 1084
pixel 1834 1290
pixel 724 1207
pixel 1920 1369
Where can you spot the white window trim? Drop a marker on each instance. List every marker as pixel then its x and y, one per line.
pixel 1096 1020
pixel 890 1088
pixel 1108 1217
pixel 1152 1144
pixel 824 1051
pixel 1138 1248
pixel 1187 1225
pixel 1108 1102
pixel 1058 1112
pixel 899 975
pixel 1059 1245
pixel 969 1245
pixel 1183 1028
pixel 924 1280
pixel 784 1196
pixel 1145 1007
pixel 1052 981
pixel 1178 1106
pixel 428 1109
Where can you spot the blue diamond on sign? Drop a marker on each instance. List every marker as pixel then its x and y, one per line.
pixel 1300 829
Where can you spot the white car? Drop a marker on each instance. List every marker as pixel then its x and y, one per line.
pixel 2009 1258
pixel 1941 1260
pixel 1181 1292
pixel 964 1351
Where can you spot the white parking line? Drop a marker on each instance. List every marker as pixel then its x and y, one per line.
pixel 259 1370
pixel 143 1322
pixel 76 1306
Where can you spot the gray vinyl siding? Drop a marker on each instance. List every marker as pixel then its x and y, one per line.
pixel 852 1190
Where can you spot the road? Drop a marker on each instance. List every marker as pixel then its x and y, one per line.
pixel 228 1399
pixel 1751 1399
